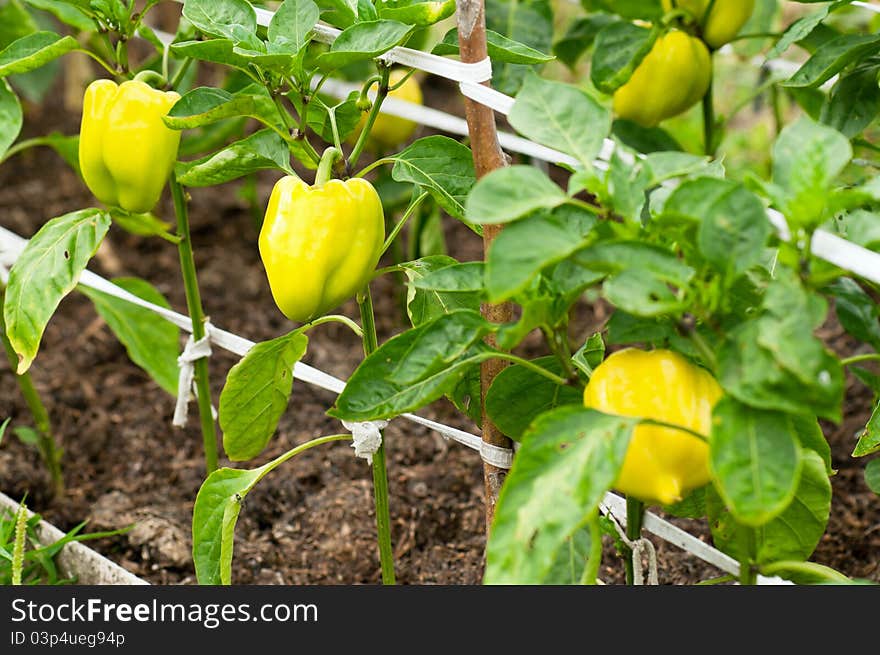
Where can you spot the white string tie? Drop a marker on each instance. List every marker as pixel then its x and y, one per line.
pixel 641 547
pixel 366 437
pixel 186 389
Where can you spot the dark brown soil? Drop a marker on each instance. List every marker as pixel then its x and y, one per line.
pixel 311 521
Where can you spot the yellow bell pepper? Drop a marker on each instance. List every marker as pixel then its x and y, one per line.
pixel 724 21
pixel 671 78
pixel 320 244
pixel 661 464
pixel 390 131
pixel 125 150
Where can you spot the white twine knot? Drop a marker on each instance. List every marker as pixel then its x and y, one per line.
pixel 641 547
pixel 186 389
pixel 366 437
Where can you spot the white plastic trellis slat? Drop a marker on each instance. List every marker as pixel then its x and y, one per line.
pixel 11 246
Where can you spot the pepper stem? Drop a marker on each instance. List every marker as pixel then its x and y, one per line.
pixel 380 473
pixel 325 168
pixel 197 315
pixel 635 514
pixel 151 77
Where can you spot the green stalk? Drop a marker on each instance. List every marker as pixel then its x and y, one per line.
pixel 380 472
pixel 747 575
pixel 46 444
pixel 591 570
pixel 325 167
pixel 709 121
pixel 635 514
pixel 371 118
pixel 197 315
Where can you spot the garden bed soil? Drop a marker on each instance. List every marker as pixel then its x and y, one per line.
pixel 311 521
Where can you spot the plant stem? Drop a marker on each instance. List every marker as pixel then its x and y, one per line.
pixel 406 215
pixel 179 73
pixel 197 315
pixel 709 120
pixel 380 473
pixel 325 167
pixel 374 165
pixel 337 318
pixel 855 359
pixel 49 450
pixel 747 575
pixel 525 363
pixel 635 513
pixel 371 118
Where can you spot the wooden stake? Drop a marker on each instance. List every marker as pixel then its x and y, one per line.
pixel 488 156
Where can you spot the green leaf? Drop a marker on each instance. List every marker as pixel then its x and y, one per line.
pixel 3 427
pixel 872 475
pixel 144 225
pixel 256 393
pixel 571 455
pixel 856 311
pixel 590 355
pixel 832 57
pixel 511 192
pixel 67 12
pixel 579 37
pixel 416 12
pixel 262 150
pixel 807 157
pixel 218 51
pixel 34 50
pixel 869 438
pixel 795 533
pixel 441 166
pixel 775 361
pixel 205 105
pixel 373 392
pixel 561 116
pixel 733 228
pixel 151 342
pixel 11 117
pixel 231 19
pixel 500 48
pixel 439 344
pixel 853 103
pixel 525 248
pixel 755 460
pixel 425 302
pixel 47 270
pixel 529 22
pixel 216 510
pixel 797 31
pixel 518 395
pixel 363 41
pixel 812 438
pixel 293 24
pixel 620 47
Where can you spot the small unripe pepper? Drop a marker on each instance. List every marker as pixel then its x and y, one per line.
pixel 390 131
pixel 724 21
pixel 661 464
pixel 671 78
pixel 126 152
pixel 320 244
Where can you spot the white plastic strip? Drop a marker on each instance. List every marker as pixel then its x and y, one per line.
pixel 616 506
pixel 457 71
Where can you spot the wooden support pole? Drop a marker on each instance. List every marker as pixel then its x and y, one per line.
pixel 488 156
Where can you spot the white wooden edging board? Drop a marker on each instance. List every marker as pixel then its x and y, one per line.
pixel 78 560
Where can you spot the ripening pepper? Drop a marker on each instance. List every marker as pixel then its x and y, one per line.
pixel 671 78
pixel 661 464
pixel 125 150
pixel 320 244
pixel 390 131
pixel 724 21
